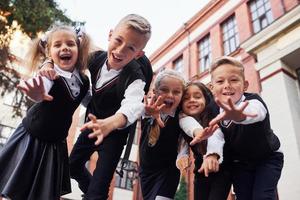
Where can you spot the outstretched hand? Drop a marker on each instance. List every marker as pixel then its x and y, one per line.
pixel 183 163
pixel 101 128
pixel 153 109
pixel 203 134
pixel 210 164
pixel 36 91
pixel 231 112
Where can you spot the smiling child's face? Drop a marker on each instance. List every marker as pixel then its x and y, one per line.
pixel 63 49
pixel 171 91
pixel 228 82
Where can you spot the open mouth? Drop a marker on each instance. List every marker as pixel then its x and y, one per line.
pixel 65 57
pixel 168 103
pixel 228 93
pixel 192 106
pixel 119 59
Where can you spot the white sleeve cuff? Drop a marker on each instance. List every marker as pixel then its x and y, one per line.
pixel 188 124
pixel 215 144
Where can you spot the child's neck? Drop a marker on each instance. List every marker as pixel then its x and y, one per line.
pixel 109 67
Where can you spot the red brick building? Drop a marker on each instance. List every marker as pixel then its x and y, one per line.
pixel 265 36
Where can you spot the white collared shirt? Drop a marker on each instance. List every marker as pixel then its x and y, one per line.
pixel 72 78
pixel 131 106
pixel 215 142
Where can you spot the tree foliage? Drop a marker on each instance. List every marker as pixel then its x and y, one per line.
pixel 181 194
pixel 32 16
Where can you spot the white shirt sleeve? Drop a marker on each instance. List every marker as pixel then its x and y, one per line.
pixel 254 107
pixel 215 144
pixel 132 105
pixel 188 124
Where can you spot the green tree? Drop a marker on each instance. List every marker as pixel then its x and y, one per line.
pixel 181 194
pixel 33 16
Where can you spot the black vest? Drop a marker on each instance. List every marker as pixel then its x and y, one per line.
pixel 251 142
pixel 107 99
pixel 51 120
pixel 164 152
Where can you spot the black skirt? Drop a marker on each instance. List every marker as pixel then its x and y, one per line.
pixel 32 169
pixel 160 182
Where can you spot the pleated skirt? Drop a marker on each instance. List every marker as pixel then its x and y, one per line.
pixel 32 169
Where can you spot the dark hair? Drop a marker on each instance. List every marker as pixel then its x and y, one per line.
pixel 207 114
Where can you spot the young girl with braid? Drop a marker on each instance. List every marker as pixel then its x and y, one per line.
pixel 34 161
pixel 160 138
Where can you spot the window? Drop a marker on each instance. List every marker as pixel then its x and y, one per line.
pixel 5 133
pixel 230 36
pixel 204 54
pixel 178 64
pixel 261 14
pixel 130 173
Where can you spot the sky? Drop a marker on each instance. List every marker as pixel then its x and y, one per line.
pixel 165 16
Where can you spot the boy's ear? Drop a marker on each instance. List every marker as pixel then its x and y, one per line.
pixel 139 54
pixel 246 85
pixel 110 34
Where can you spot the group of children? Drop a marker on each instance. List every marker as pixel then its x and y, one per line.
pixel 227 129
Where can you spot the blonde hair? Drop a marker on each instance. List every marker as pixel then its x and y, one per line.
pixel 155 129
pixel 227 60
pixel 40 48
pixel 138 23
pixel 169 73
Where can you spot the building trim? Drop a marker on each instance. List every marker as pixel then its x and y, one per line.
pixel 278 71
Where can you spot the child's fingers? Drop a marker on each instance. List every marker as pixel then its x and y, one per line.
pixel 92 118
pixel 161 106
pixel 243 106
pixel 217 119
pixel 85 126
pixel 206 171
pixel 201 170
pixel 160 122
pixel 251 115
pixel 41 82
pixel 22 88
pixel 215 127
pixel 230 103
pixel 48 97
pixel 222 105
pixel 99 139
pixel 28 84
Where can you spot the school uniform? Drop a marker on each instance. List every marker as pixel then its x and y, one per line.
pixel 158 173
pixel 113 91
pixel 34 161
pixel 217 185
pixel 252 150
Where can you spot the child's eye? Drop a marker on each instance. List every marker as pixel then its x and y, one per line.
pixel 118 40
pixel 131 48
pixel 176 92
pixel 165 90
pixel 71 44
